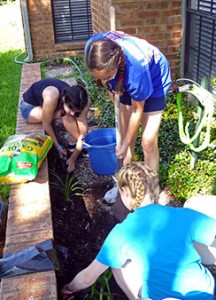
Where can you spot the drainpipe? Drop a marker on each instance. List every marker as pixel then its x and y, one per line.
pixel 25 19
pixel 183 35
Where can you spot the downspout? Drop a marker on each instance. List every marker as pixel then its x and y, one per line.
pixel 27 34
pixel 183 36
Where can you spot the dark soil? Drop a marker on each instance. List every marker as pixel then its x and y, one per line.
pixel 82 223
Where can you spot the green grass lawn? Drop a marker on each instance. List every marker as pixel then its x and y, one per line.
pixel 11 46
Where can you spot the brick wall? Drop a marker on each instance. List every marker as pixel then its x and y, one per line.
pixel 157 21
pixel 42 33
pixel 100 15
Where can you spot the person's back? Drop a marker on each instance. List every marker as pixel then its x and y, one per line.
pixel 34 94
pixel 160 240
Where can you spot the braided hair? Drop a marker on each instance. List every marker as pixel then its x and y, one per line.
pixel 104 54
pixel 139 179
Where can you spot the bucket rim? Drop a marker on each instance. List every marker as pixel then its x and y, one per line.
pixel 87 146
pixel 95 131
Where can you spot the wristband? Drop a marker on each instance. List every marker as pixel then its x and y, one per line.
pixel 59 147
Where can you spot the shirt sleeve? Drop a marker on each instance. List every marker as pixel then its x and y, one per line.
pixel 114 249
pixel 204 228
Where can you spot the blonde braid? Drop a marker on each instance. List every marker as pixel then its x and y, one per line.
pixel 139 178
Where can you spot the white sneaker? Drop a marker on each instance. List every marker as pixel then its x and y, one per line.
pixel 110 196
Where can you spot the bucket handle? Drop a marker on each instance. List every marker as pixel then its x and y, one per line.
pixel 87 146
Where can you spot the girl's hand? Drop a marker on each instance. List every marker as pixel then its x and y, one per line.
pixel 112 97
pixel 121 152
pixel 125 153
pixel 67 293
pixel 71 165
pixel 61 151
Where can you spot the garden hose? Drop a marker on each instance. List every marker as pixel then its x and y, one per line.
pixel 78 69
pixel 207 101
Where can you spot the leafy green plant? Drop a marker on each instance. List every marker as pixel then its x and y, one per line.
pixel 100 289
pixel 69 187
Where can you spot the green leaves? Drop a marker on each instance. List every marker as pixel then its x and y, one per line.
pixel 100 289
pixel 69 186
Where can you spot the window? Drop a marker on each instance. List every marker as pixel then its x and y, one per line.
pixel 72 20
pixel 200 53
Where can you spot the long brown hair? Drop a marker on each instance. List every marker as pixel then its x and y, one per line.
pixel 104 54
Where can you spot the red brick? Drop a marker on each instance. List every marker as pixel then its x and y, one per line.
pixel 29 216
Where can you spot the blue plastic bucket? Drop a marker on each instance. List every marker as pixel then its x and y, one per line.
pixel 101 146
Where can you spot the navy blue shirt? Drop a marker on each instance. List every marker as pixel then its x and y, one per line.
pixel 34 94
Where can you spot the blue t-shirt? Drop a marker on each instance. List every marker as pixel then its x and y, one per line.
pixel 147 71
pixel 159 239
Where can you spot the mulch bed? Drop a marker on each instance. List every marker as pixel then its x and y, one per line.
pixel 82 223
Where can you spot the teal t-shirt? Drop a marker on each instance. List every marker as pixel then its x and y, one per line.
pixel 159 239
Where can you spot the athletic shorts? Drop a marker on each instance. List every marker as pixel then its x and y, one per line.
pixel 25 109
pixel 151 104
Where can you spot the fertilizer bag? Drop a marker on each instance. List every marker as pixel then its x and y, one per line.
pixel 21 157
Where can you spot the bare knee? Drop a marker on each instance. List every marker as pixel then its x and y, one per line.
pixel 149 147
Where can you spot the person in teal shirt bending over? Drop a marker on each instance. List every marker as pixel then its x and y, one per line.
pixel 152 252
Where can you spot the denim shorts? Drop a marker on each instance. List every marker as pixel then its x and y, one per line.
pixel 25 109
pixel 151 104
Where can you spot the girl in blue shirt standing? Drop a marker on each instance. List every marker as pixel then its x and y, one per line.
pixel 140 74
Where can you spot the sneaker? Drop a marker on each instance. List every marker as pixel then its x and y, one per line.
pixel 85 153
pixel 71 147
pixel 111 195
